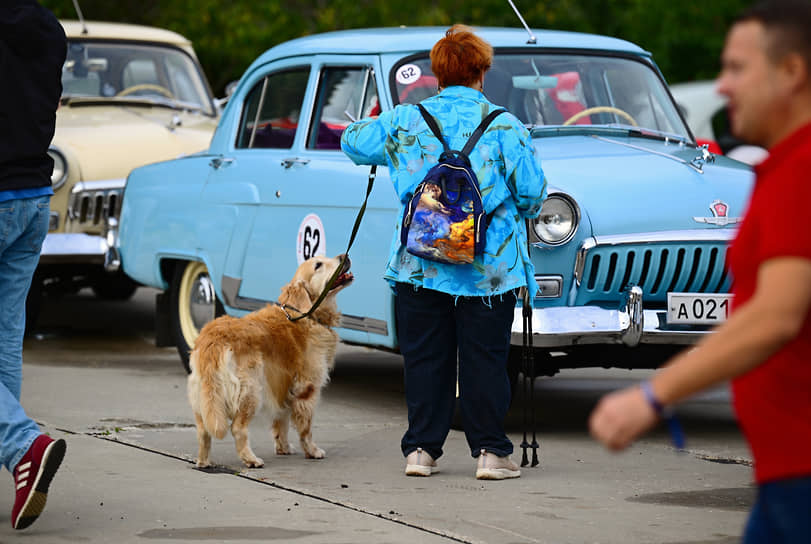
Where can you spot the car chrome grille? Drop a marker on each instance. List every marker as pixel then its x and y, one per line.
pixel 658 268
pixel 91 203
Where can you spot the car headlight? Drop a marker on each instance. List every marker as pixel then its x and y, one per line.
pixel 60 172
pixel 558 220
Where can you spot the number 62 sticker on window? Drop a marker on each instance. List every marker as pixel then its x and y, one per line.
pixel 697 308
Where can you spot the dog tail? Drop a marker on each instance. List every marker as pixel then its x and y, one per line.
pixel 214 384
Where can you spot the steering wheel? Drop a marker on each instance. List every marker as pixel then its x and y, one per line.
pixel 600 109
pixel 146 87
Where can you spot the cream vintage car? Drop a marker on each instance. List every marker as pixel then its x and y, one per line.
pixel 131 95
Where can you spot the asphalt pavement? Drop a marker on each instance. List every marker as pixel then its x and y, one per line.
pixel 129 476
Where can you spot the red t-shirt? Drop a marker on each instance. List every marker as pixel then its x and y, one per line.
pixel 773 401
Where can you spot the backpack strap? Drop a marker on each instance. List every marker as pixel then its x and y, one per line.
pixel 429 119
pixel 474 138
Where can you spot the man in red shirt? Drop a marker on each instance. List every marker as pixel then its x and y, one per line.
pixel 765 346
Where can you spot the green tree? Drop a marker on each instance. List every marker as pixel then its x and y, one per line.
pixel 685 37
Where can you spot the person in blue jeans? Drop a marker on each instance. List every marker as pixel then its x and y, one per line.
pixel 458 314
pixel 32 51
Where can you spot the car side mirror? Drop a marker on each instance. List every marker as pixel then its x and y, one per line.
pixel 229 90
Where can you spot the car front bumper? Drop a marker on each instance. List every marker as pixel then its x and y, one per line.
pixel 69 248
pixel 628 325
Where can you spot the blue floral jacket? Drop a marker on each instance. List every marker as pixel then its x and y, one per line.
pixel 510 178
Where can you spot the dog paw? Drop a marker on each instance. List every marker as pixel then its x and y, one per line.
pixel 316 453
pixel 288 450
pixel 255 463
pixel 203 464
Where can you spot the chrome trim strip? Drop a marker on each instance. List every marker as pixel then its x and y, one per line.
pixel 688 235
pixel 632 317
pixel 230 292
pixel 364 324
pixel 580 260
pixel 258 111
pixel 112 258
pixel 99 185
pixel 718 221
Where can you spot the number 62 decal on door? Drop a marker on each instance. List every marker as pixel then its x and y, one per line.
pixel 310 240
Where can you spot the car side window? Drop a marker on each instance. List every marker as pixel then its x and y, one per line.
pixel 343 93
pixel 272 109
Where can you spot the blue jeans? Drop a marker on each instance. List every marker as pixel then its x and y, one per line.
pixel 23 226
pixel 436 331
pixel 782 513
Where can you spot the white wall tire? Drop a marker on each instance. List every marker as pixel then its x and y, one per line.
pixel 193 303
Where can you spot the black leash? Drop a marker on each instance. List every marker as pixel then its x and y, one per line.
pixel 331 282
pixel 528 369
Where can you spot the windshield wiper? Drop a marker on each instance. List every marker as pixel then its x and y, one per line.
pixel 654 134
pixel 178 105
pixel 612 128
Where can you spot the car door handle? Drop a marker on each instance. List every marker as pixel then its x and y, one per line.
pixel 287 163
pixel 219 162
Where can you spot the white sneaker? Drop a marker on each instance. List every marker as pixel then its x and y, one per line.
pixel 419 463
pixel 493 467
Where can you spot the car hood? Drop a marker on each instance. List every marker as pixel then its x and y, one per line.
pixel 635 185
pixel 109 141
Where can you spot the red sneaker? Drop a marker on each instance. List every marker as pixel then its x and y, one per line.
pixel 32 476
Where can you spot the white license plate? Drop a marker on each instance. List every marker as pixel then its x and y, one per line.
pixel 697 308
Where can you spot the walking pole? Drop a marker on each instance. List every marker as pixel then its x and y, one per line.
pixel 525 370
pixel 530 356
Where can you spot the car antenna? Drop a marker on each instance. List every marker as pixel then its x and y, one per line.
pixel 532 38
pixel 81 17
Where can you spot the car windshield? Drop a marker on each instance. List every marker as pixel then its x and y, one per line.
pixel 563 89
pixel 146 73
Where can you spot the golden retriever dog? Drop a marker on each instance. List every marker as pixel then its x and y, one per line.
pixel 264 360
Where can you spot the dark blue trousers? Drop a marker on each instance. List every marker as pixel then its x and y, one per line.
pixel 436 331
pixel 781 514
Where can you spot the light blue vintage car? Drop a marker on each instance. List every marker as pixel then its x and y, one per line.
pixel 629 249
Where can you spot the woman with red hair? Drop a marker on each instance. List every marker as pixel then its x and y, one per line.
pixel 457 315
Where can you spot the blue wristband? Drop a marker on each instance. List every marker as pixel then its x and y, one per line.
pixel 676 433
pixel 657 406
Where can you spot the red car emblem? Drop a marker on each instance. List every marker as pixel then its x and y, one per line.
pixel 719 209
pixel 719 217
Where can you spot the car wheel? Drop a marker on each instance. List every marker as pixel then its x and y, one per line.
pixel 193 303
pixel 113 286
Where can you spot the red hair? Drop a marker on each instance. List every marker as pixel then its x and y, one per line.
pixel 461 57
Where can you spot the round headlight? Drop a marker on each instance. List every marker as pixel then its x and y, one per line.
pixel 60 172
pixel 558 220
